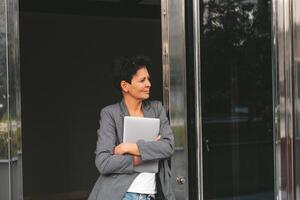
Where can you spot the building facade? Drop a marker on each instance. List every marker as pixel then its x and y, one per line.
pixel 228 76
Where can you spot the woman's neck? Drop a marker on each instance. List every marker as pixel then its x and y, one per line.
pixel 134 106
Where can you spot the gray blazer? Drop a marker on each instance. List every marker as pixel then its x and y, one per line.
pixel 116 171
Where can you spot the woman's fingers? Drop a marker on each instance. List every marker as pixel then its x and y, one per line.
pixel 136 160
pixel 157 138
pixel 119 149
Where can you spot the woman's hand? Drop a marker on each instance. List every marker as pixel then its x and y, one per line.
pixel 136 160
pixel 129 148
pixel 121 149
pixel 157 138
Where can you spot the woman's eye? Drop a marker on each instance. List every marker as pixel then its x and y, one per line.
pixel 144 79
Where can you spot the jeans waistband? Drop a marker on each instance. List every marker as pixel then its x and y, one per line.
pixel 140 196
pixel 148 196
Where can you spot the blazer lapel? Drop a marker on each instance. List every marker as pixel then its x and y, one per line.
pixel 147 110
pixel 124 111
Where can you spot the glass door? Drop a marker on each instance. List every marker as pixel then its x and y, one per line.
pixel 236 99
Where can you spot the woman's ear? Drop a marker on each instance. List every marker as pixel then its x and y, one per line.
pixel 124 86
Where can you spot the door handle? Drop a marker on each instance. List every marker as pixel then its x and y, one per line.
pixel 206 141
pixel 180 180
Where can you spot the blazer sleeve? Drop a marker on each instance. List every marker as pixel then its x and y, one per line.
pixel 106 161
pixel 164 148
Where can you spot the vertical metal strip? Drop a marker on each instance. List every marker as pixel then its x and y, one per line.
pixel 165 53
pixel 196 19
pixel 282 18
pixel 296 81
pixel 290 99
pixel 13 98
pixel 174 69
pixel 276 113
pixel 8 102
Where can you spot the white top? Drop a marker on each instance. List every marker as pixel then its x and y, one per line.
pixel 144 183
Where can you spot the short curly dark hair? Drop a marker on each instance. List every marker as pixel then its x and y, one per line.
pixel 124 68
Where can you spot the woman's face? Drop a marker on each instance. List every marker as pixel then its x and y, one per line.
pixel 140 85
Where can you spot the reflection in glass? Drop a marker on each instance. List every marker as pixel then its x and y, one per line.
pixel 10 128
pixel 236 76
pixel 4 150
pixel 14 100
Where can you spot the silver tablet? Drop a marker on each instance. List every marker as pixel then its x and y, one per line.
pixel 141 128
pixel 137 128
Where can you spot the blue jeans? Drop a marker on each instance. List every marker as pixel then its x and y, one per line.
pixel 136 196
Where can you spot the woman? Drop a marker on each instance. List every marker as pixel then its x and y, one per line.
pixel 115 160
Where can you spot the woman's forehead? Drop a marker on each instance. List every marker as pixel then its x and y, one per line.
pixel 142 72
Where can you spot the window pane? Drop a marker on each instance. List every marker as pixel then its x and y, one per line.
pixel 236 74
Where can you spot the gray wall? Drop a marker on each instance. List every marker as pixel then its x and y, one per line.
pixel 65 82
pixel 4 181
pixel 15 179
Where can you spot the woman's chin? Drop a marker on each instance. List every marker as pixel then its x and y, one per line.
pixel 146 97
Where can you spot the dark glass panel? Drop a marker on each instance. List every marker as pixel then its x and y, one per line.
pixel 236 74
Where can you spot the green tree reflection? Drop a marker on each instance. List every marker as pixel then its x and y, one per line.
pixel 237 54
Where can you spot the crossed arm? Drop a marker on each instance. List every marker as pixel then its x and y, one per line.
pixel 132 149
pixel 123 157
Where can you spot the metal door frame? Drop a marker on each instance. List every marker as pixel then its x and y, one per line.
pixel 284 122
pixel 174 74
pixel 10 120
pixel 198 117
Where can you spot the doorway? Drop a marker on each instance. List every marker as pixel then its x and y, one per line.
pixel 65 59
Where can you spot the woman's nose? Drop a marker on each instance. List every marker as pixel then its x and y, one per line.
pixel 148 83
